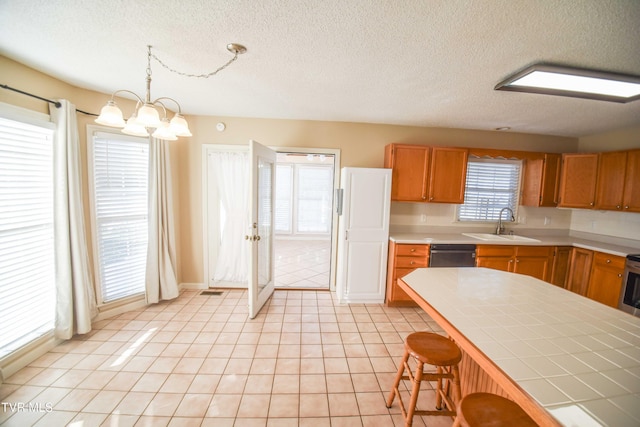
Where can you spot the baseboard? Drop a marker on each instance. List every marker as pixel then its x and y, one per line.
pixel 196 286
pixel 26 355
pixel 107 312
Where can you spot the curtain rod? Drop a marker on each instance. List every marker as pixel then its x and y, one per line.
pixel 55 103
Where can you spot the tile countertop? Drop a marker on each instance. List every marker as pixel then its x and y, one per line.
pixel 433 238
pixel 577 358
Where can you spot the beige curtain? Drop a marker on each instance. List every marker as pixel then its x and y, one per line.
pixel 161 280
pixel 75 296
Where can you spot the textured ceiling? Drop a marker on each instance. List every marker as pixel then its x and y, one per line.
pixel 410 62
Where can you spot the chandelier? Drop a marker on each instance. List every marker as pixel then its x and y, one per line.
pixel 146 119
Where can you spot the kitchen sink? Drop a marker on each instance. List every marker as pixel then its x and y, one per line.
pixel 499 238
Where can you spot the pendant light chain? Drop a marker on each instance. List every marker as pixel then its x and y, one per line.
pixel 203 76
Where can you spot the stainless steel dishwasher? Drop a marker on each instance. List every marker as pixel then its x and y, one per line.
pixel 452 255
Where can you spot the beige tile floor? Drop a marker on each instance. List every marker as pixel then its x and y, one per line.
pixel 199 361
pixel 302 263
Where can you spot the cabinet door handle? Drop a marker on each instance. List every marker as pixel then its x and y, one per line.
pixel 510 260
pixel 608 261
pixel 412 262
pixel 591 204
pixel 626 207
pixel 413 249
pixel 617 206
pixel 431 198
pixel 619 274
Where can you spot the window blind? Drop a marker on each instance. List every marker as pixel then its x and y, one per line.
pixel 120 187
pixel 27 264
pixel 491 185
pixel 315 198
pixel 284 199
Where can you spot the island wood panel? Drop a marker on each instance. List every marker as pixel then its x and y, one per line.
pixel 507 386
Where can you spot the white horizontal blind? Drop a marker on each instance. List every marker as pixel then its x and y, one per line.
pixel 27 264
pixel 315 199
pixel 284 199
pixel 491 185
pixel 120 188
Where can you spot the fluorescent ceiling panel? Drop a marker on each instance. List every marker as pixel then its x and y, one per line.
pixel 574 82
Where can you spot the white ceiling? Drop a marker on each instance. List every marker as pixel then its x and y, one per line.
pixel 409 62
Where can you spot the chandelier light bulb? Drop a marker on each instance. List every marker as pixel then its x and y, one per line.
pixel 148 116
pixel 163 131
pixel 134 127
pixel 179 125
pixel 111 115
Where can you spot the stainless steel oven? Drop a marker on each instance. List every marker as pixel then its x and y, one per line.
pixel 630 295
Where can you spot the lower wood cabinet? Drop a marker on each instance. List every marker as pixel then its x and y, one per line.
pixel 605 280
pixel 403 259
pixel 560 267
pixel 532 261
pixel 580 271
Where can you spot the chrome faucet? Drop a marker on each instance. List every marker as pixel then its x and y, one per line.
pixel 500 227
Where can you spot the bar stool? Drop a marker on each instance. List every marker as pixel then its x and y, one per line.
pixel 444 354
pixel 490 410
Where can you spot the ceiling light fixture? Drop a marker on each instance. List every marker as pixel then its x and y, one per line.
pixel 146 120
pixel 574 82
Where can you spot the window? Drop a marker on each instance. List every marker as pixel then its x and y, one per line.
pixel 304 198
pixel 27 264
pixel 119 188
pixel 492 184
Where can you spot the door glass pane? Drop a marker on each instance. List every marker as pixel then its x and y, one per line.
pixel 265 178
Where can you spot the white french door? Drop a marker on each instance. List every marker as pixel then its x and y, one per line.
pixel 260 236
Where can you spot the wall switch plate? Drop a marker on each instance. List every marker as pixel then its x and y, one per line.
pixel 547 220
pixel 423 218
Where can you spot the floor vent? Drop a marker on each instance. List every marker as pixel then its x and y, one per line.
pixel 214 293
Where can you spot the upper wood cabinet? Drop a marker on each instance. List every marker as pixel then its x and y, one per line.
pixel 410 169
pixel 426 174
pixel 447 175
pixel 631 196
pixel 578 180
pixel 540 181
pixel 611 179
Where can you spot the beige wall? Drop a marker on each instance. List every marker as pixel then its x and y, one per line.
pixel 361 145
pixel 623 139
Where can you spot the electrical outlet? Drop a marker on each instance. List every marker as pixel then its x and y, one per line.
pixel 423 218
pixel 547 220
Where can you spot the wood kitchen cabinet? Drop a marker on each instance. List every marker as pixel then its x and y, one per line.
pixel 541 181
pixel 410 169
pixel 578 181
pixel 605 280
pixel 560 267
pixel 631 195
pixel 534 261
pixel 426 174
pixel 580 270
pixel 611 180
pixel 403 259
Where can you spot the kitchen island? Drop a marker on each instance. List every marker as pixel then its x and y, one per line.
pixel 565 359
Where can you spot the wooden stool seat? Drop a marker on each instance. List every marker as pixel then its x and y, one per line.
pixel 433 349
pixel 490 410
pixel 436 350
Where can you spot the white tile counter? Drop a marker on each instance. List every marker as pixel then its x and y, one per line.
pixel 578 359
